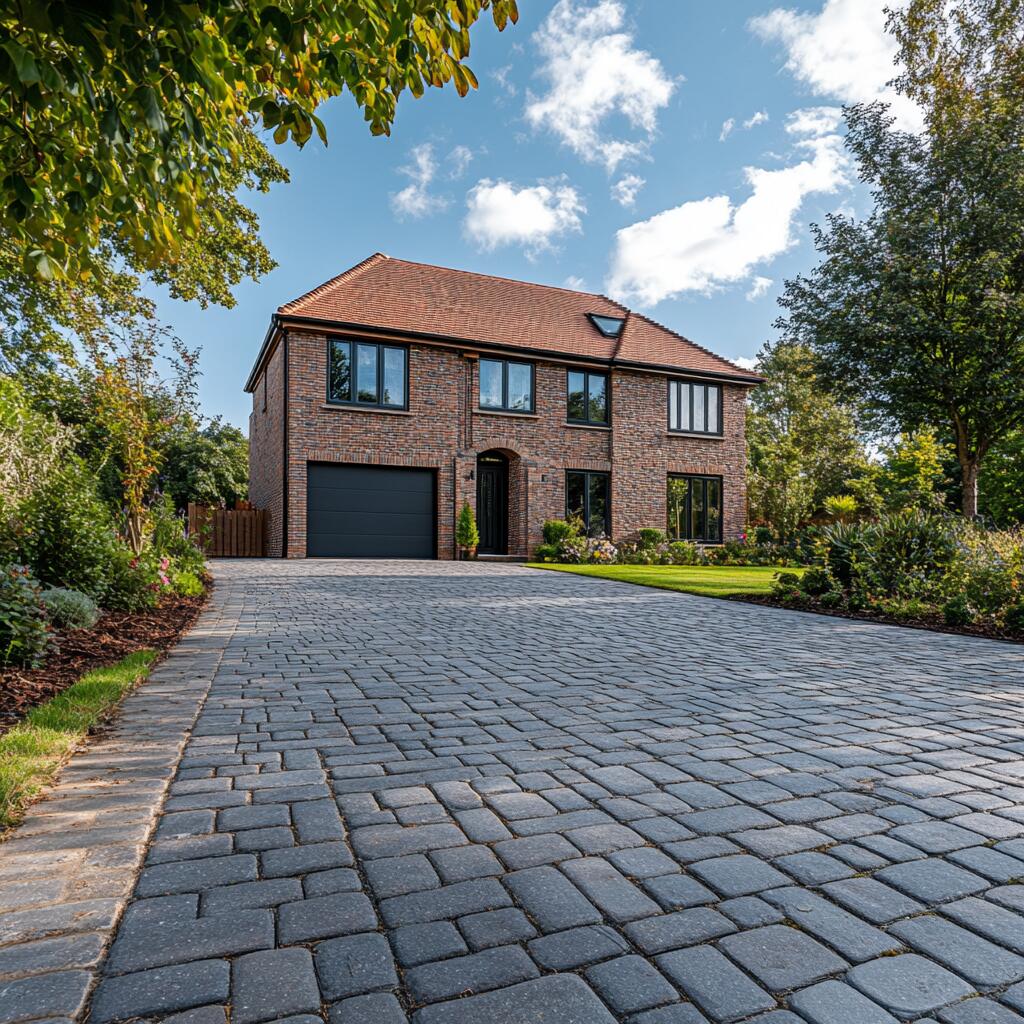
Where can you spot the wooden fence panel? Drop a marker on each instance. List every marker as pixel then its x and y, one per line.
pixel 229 533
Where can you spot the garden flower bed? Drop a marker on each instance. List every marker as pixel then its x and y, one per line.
pixel 75 652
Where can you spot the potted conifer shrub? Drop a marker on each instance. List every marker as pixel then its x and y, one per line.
pixel 467 536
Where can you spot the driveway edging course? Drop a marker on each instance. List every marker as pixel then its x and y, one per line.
pixel 68 870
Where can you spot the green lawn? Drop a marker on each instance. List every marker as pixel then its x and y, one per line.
pixel 706 580
pixel 34 750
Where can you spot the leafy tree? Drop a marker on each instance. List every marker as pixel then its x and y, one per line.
pixel 206 464
pixel 803 445
pixel 914 471
pixel 467 536
pixel 130 123
pixel 1002 484
pixel 917 310
pixel 126 355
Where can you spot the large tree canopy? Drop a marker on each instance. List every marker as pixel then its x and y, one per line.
pixel 918 309
pixel 803 445
pixel 129 122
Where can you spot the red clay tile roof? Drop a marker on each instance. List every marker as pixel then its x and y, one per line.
pixel 420 299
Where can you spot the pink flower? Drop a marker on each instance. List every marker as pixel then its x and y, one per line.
pixel 165 563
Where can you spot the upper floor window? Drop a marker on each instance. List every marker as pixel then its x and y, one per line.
pixel 506 385
pixel 588 397
pixel 694 408
pixel 365 373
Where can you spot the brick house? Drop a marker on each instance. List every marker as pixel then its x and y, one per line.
pixel 395 391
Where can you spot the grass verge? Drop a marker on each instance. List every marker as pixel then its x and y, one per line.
pixel 34 750
pixel 705 580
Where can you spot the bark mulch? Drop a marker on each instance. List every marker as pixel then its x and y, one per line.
pixel 933 623
pixel 115 635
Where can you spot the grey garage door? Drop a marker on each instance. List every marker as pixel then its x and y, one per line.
pixel 370 512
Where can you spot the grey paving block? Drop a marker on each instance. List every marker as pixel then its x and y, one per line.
pixel 251 895
pixel 740 875
pixel 551 900
pixel 599 839
pixel 908 986
pixel 979 1011
pixel 813 868
pixel 273 984
pixel 445 903
pixel 61 953
pixel 871 900
pixel 577 947
pixel 782 958
pixel 750 912
pixel 396 876
pixel 683 928
pixel 422 943
pixel 630 984
pixel 677 1013
pixel 398 841
pixel 325 916
pixel 533 851
pixel 988 919
pixel 558 999
pixel 832 1002
pixel 157 944
pixel 845 933
pixel 496 928
pixel 195 875
pixel 299 860
pixel 162 990
pixel 614 895
pixel 57 994
pixel 933 880
pixel 378 1008
pixel 461 863
pixel 477 972
pixel 354 965
pixel 719 988
pixel 973 958
pixel 675 892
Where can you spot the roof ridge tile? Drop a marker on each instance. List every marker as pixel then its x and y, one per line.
pixel 345 275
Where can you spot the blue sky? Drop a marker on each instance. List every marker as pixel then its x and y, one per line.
pixel 670 153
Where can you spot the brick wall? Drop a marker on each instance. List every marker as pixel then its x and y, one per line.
pixel 444 431
pixel 266 422
pixel 645 453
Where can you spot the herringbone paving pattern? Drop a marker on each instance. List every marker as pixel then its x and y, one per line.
pixel 470 794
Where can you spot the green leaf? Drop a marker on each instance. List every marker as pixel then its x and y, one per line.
pixel 24 62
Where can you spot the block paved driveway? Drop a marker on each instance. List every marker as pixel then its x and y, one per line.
pixel 492 795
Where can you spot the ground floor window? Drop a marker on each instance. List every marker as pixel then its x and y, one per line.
pixel 586 496
pixel 695 508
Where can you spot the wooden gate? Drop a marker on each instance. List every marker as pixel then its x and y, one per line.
pixel 229 533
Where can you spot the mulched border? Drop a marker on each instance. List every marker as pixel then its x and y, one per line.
pixel 115 635
pixel 935 624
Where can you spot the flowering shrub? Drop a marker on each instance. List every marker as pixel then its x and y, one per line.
pixel 917 564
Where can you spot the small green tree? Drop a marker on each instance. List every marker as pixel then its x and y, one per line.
pixel 913 474
pixel 467 536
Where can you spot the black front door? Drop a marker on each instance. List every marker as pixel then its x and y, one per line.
pixel 492 504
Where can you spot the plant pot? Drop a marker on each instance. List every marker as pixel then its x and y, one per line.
pixel 467 554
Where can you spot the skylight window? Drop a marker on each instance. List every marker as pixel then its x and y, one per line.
pixel 609 326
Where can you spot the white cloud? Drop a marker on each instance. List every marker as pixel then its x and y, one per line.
pixel 727 126
pixel 814 121
pixel 594 71
pixel 842 52
pixel 758 287
pixel 575 282
pixel 415 200
pixel 501 76
pixel 502 213
pixel 459 159
pixel 626 189
pixel 705 244
pixel 746 362
pixel 755 119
